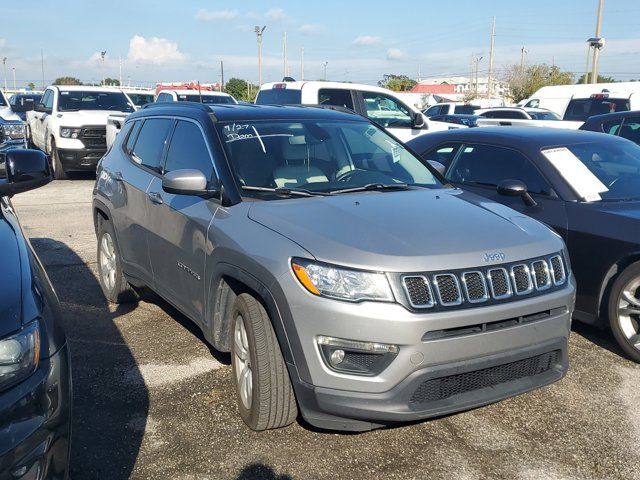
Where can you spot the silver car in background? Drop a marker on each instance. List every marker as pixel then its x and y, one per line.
pixel 348 281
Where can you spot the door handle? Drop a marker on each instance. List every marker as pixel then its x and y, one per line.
pixel 155 197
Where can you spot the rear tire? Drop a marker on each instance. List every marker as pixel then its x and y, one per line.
pixel 624 311
pixel 58 169
pixel 114 285
pixel 264 392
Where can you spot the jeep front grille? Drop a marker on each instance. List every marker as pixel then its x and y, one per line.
pixel 482 285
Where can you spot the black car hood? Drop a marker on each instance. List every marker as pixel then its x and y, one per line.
pixel 10 280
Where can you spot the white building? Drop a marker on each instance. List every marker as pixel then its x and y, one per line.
pixel 463 85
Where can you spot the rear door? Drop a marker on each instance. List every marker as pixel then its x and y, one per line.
pixel 143 152
pixel 480 168
pixel 179 224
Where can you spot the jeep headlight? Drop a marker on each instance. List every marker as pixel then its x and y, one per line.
pixel 19 355
pixel 14 131
pixel 342 283
pixel 70 132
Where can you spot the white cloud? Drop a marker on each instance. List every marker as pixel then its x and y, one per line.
pixel 276 15
pixel 214 15
pixel 395 54
pixel 154 50
pixel 309 29
pixel 366 40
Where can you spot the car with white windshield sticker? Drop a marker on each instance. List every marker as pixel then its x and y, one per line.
pixel 585 185
pixel 348 281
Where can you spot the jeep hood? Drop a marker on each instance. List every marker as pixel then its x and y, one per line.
pixel 417 230
pixel 86 117
pixel 8 115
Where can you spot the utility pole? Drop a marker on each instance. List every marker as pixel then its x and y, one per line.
pixel 490 79
pixel 102 54
pixel 586 70
pixel 4 66
pixel 522 53
pixel 120 72
pixel 221 75
pixel 14 80
pixel 259 31
pixel 301 63
pixel 325 70
pixel 596 48
pixel 471 73
pixel 477 62
pixel 42 66
pixel 284 55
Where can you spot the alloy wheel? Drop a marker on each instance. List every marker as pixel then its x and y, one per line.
pixel 108 261
pixel 242 360
pixel 629 312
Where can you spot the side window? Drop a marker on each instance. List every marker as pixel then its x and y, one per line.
pixel 612 127
pixel 488 165
pixel 387 111
pixel 164 97
pixel 150 143
pixel 131 139
pixel 631 129
pixel 188 149
pixel 533 103
pixel 47 99
pixel 443 154
pixel 335 96
pixel 432 111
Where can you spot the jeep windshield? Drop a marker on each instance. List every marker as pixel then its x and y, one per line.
pixel 74 100
pixel 319 156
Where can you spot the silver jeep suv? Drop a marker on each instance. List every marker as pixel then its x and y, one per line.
pixel 349 283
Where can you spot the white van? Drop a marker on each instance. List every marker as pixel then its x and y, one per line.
pixel 378 104
pixel 579 102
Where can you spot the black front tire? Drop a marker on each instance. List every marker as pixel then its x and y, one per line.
pixel 118 290
pixel 629 274
pixel 273 402
pixel 58 170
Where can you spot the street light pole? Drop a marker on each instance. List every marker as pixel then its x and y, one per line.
pixel 259 31
pixel 477 62
pixel 14 80
pixel 596 48
pixel 325 70
pixel 102 54
pixel 490 80
pixel 4 66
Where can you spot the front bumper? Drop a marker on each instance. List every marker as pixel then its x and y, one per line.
pixel 35 423
pixel 336 400
pixel 85 159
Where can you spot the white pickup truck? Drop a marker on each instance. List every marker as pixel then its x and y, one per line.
pixel 70 122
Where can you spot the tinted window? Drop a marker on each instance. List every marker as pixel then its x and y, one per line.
pixel 465 109
pixel 335 96
pixel 489 165
pixel 507 114
pixel 443 154
pixel 164 97
pixel 432 111
pixel 47 99
pixel 188 149
pixel 150 142
pixel 73 100
pixel 631 129
pixel 387 111
pixel 580 109
pixel 133 136
pixel 612 127
pixel 209 99
pixel 140 99
pixel 279 96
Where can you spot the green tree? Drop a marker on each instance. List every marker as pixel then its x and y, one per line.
pixel 112 82
pixel 240 90
pixel 397 83
pixel 601 79
pixel 525 82
pixel 67 81
pixel 31 85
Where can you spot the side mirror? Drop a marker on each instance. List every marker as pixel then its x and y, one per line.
pixel 418 120
pixel 438 166
pixel 516 188
pixel 189 181
pixel 41 108
pixel 26 170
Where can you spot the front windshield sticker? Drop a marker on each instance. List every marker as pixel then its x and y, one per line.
pixel 577 175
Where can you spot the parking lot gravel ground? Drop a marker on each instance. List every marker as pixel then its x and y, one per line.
pixel 153 401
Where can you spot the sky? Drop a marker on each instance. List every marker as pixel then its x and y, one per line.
pixel 185 40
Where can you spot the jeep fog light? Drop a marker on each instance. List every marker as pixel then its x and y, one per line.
pixel 356 357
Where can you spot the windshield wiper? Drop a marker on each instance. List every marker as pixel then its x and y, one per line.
pixel 285 192
pixel 375 186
